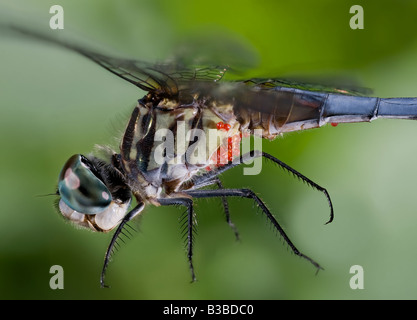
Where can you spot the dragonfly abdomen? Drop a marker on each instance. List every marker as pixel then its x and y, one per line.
pixel 339 108
pixel 283 110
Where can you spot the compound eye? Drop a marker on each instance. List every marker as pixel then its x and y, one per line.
pixel 80 189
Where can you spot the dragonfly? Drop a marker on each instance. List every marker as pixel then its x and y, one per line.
pixel 97 193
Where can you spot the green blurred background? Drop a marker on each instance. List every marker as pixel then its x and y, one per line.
pixel 55 103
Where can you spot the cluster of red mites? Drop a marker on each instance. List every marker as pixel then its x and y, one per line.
pixel 226 153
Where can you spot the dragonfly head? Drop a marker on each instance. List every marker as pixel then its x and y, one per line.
pixel 93 194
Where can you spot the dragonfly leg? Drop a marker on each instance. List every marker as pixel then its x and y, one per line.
pixel 304 179
pixel 247 193
pixel 202 180
pixel 113 241
pixel 188 203
pixel 226 210
pixel 215 180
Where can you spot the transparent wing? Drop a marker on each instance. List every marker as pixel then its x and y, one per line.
pixel 168 79
pixel 164 79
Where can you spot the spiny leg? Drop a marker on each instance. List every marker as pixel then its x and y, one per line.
pixel 246 193
pixel 208 182
pixel 203 179
pixel 304 179
pixel 226 210
pixel 116 235
pixel 188 203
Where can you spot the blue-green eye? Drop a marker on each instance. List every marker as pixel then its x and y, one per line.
pixel 80 189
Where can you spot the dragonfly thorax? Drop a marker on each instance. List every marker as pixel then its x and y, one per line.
pixel 167 142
